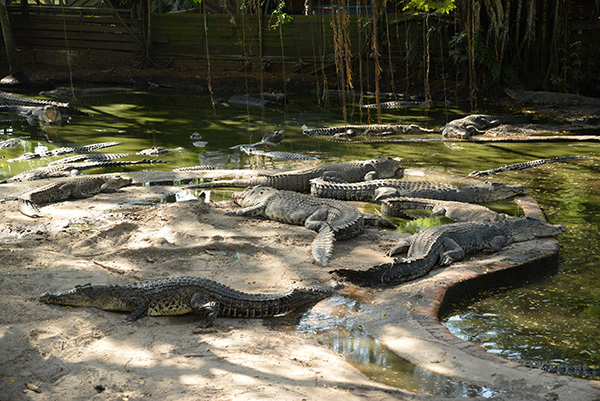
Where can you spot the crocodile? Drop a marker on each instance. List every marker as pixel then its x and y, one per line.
pixel 195 168
pixel 70 169
pixel 299 180
pixel 523 165
pixel 443 245
pixel 66 150
pixel 158 150
pixel 9 143
pixel 476 124
pixel 78 188
pixel 366 130
pixel 563 368
pixel 377 190
pixel 457 211
pixel 271 137
pixel 331 219
pixel 552 98
pixel 182 295
pixel 275 155
pixel 88 158
pixel 258 100
pixel 66 92
pixel 397 104
pixel 44 115
pixel 12 99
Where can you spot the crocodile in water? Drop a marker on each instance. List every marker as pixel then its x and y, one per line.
pixel 89 157
pixel 66 150
pixel 9 143
pixel 195 168
pixel 159 150
pixel 299 180
pixel 330 218
pixel 523 165
pixel 377 190
pixel 66 92
pixel 443 245
pixel 35 114
pixel 271 137
pixel 275 155
pixel 366 130
pixel 69 169
pixel 78 188
pixel 457 211
pixel 476 124
pixel 182 295
pixel 11 99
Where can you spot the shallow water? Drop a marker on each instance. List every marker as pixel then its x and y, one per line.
pixel 557 319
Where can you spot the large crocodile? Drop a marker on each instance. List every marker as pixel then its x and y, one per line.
pixel 66 150
pixel 377 190
pixel 523 165
pixel 476 124
pixel 78 188
pixel 457 211
pixel 88 158
pixel 330 218
pixel 299 180
pixel 12 99
pixel 443 245
pixel 70 169
pixel 275 155
pixel 44 115
pixel 182 295
pixel 366 130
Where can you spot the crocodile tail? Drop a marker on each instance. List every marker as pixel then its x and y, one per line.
pixel 322 246
pixel 396 272
pixel 228 183
pixel 28 208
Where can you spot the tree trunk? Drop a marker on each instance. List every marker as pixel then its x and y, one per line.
pixel 14 66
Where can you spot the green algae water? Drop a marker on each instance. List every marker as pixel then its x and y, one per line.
pixel 556 319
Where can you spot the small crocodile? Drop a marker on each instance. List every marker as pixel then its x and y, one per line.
pixel 275 155
pixel 299 180
pixel 457 211
pixel 88 158
pixel 476 124
pixel 78 188
pixel 366 130
pixel 377 190
pixel 182 295
pixel 159 150
pixel 271 137
pixel 331 219
pixel 70 169
pixel 446 244
pixel 9 143
pixel 523 165
pixel 66 150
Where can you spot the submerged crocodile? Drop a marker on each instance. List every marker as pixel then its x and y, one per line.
pixel 66 150
pixel 446 244
pixel 275 155
pixel 182 295
pixel 331 219
pixel 258 100
pixel 366 130
pixel 70 169
pixel 78 188
pixel 271 137
pixel 159 150
pixel 523 165
pixel 299 180
pixel 377 190
pixel 88 158
pixel 476 124
pixel 457 211
pixel 66 92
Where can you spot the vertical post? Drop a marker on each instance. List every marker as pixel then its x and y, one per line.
pixel 9 41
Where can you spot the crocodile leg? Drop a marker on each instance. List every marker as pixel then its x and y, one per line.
pixel 77 194
pixel 453 253
pixel 401 247
pixel 203 308
pixel 139 306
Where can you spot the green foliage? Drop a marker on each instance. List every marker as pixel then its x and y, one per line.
pixel 570 74
pixel 281 17
pixel 444 6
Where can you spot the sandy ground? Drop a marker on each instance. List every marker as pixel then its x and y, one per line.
pixel 49 352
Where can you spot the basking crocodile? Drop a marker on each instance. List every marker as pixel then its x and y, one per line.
pixel 377 190
pixel 330 218
pixel 88 158
pixel 182 295
pixel 299 180
pixel 275 155
pixel 159 150
pixel 69 169
pixel 366 130
pixel 78 188
pixel 271 137
pixel 523 165
pixel 9 143
pixel 443 245
pixel 476 124
pixel 457 211
pixel 66 150
pixel 553 98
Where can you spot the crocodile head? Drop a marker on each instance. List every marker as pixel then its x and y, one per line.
pixel 499 191
pixel 253 195
pixel 387 167
pixel 88 295
pixel 118 181
pixel 526 228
